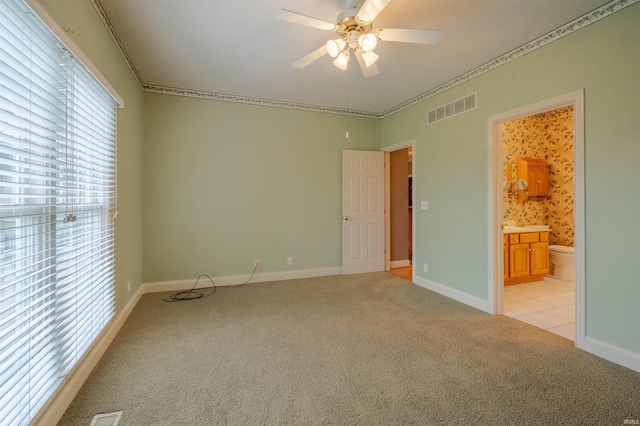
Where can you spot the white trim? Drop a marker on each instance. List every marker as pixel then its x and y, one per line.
pixel 400 263
pixel 177 285
pixel 496 278
pixel 612 353
pixel 387 211
pixel 51 23
pixel 53 410
pixel 411 143
pixel 454 294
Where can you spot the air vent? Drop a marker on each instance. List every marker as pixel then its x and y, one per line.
pixel 453 108
pixel 107 419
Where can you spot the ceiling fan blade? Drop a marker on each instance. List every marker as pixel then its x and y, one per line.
pixel 410 36
pixel 298 18
pixel 371 8
pixel 311 57
pixel 367 71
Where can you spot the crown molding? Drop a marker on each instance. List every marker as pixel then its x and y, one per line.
pixel 112 32
pixel 575 25
pixel 254 101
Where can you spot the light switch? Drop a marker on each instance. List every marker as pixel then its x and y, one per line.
pixel 424 205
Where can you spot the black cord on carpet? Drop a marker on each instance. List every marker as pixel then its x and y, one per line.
pixel 192 294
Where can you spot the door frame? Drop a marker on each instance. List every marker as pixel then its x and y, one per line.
pixel 411 143
pixel 496 264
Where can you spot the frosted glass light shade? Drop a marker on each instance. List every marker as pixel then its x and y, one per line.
pixel 367 42
pixel 370 58
pixel 342 60
pixel 334 47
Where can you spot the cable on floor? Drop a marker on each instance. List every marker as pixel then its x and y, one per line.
pixel 192 294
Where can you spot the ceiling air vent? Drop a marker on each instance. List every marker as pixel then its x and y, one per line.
pixel 453 108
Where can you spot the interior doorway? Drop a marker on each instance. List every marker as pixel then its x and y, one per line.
pixel 499 237
pixel 539 286
pixel 399 218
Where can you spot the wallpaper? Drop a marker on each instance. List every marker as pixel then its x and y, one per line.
pixel 547 136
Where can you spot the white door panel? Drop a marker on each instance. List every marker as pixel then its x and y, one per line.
pixel 362 211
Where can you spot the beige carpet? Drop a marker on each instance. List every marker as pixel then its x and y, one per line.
pixel 344 350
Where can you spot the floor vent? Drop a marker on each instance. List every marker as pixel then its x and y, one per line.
pixel 107 419
pixel 451 109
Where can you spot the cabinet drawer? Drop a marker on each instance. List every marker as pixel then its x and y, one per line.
pixel 544 236
pixel 513 238
pixel 529 237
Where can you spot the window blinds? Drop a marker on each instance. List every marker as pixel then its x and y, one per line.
pixel 57 207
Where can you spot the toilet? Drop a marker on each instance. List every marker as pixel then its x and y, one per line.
pixel 561 262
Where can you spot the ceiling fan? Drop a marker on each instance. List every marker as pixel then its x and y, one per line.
pixel 356 33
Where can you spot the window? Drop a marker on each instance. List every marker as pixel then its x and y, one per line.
pixel 57 208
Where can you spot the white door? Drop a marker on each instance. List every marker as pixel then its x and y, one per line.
pixel 362 211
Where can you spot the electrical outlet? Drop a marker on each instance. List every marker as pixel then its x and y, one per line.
pixel 289 260
pixel 426 267
pixel 256 262
pixel 128 286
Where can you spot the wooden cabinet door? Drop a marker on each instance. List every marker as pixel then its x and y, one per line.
pixel 538 182
pixel 518 260
pixel 539 258
pixel 532 180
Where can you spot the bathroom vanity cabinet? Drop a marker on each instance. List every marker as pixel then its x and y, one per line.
pixel 526 257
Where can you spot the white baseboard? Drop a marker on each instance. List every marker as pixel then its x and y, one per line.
pixel 400 263
pixel 57 404
pixel 454 294
pixel 156 287
pixel 612 353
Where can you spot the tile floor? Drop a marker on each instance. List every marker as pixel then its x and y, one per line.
pixel 548 304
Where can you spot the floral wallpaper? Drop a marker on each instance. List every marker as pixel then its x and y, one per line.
pixel 547 136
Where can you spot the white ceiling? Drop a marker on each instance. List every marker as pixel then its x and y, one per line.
pixel 237 47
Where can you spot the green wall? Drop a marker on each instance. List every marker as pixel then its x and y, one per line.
pixel 452 160
pixel 90 34
pixel 223 184
pixel 227 183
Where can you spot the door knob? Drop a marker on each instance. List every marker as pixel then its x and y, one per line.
pixel 347 218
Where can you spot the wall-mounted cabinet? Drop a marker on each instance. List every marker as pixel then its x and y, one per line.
pixel 526 257
pixel 536 174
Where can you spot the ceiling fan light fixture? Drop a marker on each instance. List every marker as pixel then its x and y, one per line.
pixel 368 42
pixel 334 47
pixel 370 58
pixel 342 60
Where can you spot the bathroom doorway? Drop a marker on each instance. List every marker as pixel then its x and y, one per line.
pixel 543 297
pixel 548 133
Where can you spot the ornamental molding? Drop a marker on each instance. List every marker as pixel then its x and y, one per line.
pixel 254 101
pixel 575 25
pixel 107 23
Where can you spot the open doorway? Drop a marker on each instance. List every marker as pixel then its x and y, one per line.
pixel 516 258
pixel 538 222
pixel 399 209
